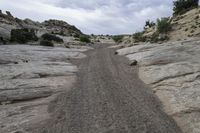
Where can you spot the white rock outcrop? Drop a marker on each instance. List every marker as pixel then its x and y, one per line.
pixel 173 71
pixel 31 77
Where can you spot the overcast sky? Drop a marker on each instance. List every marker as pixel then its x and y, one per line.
pixel 92 16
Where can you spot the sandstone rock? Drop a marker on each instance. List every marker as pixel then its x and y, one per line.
pixel 31 78
pixel 172 70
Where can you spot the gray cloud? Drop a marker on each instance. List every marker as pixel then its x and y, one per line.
pixel 93 16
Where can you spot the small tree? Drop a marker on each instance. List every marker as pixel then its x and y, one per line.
pixel 149 23
pixel 163 25
pixel 181 6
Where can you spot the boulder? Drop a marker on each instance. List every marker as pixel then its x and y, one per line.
pixel 133 63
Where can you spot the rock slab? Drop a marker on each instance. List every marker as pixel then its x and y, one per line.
pixel 31 78
pixel 173 71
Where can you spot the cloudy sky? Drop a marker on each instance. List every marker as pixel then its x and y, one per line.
pixel 92 16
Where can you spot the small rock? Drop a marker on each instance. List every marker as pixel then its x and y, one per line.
pixel 133 63
pixel 116 52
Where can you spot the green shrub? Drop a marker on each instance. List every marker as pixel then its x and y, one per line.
pixel 182 6
pixel 138 37
pixel 50 37
pixel 46 43
pixel 163 25
pixel 23 35
pixel 84 38
pixel 118 38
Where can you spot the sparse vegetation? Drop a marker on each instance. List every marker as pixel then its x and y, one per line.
pixel 118 38
pixel 46 43
pixel 23 35
pixel 84 38
pixel 163 25
pixel 149 24
pixel 182 6
pixel 138 37
pixel 50 37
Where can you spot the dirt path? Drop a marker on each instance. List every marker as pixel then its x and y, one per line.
pixel 109 98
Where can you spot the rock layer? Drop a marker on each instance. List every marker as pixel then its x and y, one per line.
pixel 31 77
pixel 173 71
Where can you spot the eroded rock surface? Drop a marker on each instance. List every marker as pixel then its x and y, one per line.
pixel 173 71
pixel 31 77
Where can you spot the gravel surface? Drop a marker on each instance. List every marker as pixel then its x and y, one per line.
pixel 109 98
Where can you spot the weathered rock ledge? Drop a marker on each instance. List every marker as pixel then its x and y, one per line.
pixel 173 71
pixel 31 77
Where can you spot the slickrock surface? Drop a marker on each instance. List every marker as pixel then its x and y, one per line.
pixel 31 77
pixel 173 71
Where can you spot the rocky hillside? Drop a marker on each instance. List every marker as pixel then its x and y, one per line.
pixel 181 27
pixel 8 22
pixel 186 25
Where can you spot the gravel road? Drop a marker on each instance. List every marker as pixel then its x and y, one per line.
pixel 110 98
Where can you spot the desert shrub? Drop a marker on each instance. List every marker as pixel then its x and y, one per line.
pixel 50 37
pixel 118 38
pixel 46 43
pixel 181 6
pixel 76 35
pixel 149 23
pixel 84 38
pixel 138 37
pixel 163 25
pixel 23 35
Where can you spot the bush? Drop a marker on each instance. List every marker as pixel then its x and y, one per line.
pixel 76 35
pixel 181 6
pixel 118 38
pixel 149 24
pixel 50 37
pixel 163 25
pixel 23 35
pixel 84 39
pixel 138 37
pixel 46 43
